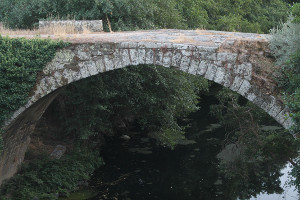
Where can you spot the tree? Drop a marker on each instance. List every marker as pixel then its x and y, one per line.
pixel 150 96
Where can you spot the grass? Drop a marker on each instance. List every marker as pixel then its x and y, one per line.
pixel 183 39
pixel 59 30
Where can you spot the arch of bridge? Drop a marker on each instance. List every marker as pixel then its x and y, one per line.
pixel 238 61
pixel 235 63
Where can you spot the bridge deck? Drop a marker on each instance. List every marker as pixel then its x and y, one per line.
pixel 195 37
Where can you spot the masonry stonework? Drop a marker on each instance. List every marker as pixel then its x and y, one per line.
pixel 237 61
pixel 79 25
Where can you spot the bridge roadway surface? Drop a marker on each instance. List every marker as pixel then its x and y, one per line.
pixel 195 37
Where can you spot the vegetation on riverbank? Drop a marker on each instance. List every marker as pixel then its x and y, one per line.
pixel 47 178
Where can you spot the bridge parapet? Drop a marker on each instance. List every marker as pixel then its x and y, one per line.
pixel 78 25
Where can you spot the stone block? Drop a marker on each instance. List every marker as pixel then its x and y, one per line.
pixel 150 56
pixel 52 67
pixel 159 57
pixel 58 152
pixel 100 65
pixel 275 109
pixel 176 59
pixel 211 72
pixel 236 83
pixel 128 45
pixel 227 80
pixel 79 25
pixel 245 87
pixel 194 66
pixel 251 96
pixel 282 116
pixel 124 55
pixel 68 75
pixel 167 58
pixel 220 74
pixel 148 45
pixel 201 70
pixel 109 62
pixel 227 57
pixel 210 49
pixel 185 60
pixel 208 56
pixel 84 71
pixel 92 67
pixel 244 70
pixel 142 56
pixel 287 124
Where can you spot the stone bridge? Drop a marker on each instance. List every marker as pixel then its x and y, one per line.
pixel 239 61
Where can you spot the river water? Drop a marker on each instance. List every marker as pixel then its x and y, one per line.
pixel 138 168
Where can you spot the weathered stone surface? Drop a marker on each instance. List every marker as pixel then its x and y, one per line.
pixel 79 25
pixel 245 87
pixel 58 152
pixel 220 74
pixel 212 55
pixel 211 72
pixel 236 83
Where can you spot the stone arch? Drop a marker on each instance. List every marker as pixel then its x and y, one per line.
pixel 234 68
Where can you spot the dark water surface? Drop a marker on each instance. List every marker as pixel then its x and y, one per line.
pixel 138 169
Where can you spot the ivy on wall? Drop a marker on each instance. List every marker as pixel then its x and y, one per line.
pixel 20 61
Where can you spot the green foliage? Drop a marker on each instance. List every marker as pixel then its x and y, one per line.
pixel 47 177
pixel 228 15
pixel 152 97
pixel 285 41
pixel 123 14
pixel 285 45
pixel 20 61
pixel 296 12
pixel 169 137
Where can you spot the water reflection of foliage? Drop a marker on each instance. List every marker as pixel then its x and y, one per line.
pixel 262 153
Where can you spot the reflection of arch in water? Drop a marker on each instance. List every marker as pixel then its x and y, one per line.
pixel 237 65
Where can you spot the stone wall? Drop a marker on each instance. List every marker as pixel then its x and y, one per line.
pixel 79 25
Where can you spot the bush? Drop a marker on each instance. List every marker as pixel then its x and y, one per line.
pixel 250 16
pixel 47 177
pixel 285 45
